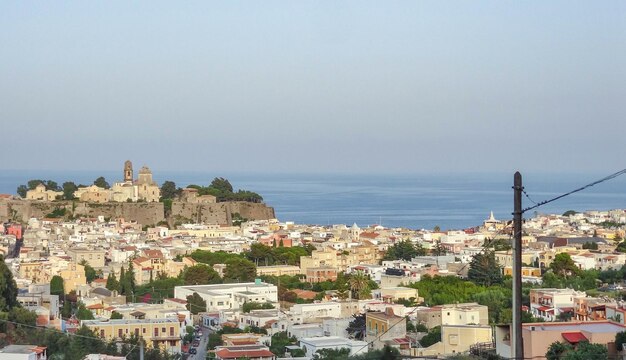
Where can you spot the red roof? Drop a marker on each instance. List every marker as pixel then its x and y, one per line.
pixel 228 354
pixel 543 308
pixel 574 337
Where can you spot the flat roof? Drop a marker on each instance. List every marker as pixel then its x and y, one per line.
pixel 332 341
pixel 592 327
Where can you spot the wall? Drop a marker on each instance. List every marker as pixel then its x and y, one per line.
pixel 220 213
pixel 142 212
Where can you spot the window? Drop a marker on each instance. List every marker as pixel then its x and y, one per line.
pixel 171 331
pixel 136 331
pixel 119 333
pixel 101 333
pixel 143 331
pixel 156 331
pixel 163 330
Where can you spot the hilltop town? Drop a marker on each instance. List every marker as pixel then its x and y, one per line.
pixel 259 288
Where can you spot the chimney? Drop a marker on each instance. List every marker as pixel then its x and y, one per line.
pixel 389 311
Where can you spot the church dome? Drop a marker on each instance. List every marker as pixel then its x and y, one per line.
pixel 145 171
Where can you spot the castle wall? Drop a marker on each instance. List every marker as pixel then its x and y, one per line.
pixel 142 212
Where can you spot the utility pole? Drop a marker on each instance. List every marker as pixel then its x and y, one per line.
pixel 141 348
pixel 517 347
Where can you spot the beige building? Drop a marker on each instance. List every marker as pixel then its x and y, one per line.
pixel 40 193
pixel 456 339
pixel 158 333
pixel 358 255
pixel 93 193
pixel 384 327
pixel 278 270
pixel 538 337
pixel 73 277
pixel 147 189
pixel 95 258
pixel 396 293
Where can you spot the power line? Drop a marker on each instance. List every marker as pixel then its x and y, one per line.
pixel 541 203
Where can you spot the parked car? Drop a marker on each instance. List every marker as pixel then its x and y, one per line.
pixel 193 351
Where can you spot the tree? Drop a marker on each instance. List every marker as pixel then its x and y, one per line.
pixel 116 315
pixel 82 313
pixel 112 283
pixel 195 303
pixel 591 245
pixel 433 337
pixel 437 228
pixel 569 213
pixel 201 275
pixel 239 270
pixel 279 341
pixel 564 266
pixel 68 190
pixel 66 309
pixel 359 284
pixel 253 305
pixel 586 351
pixel 404 250
pixel 484 270
pixel 356 327
pixel 168 190
pixel 57 286
pixel 332 354
pixel 101 182
pixel 438 250
pixel 8 287
pixel 221 185
pixel 620 340
pixel 22 190
pixel 90 272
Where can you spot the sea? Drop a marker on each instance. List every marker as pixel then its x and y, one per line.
pixel 415 201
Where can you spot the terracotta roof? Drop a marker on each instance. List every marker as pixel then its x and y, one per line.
pixel 153 253
pixel 177 300
pixel 140 259
pixel 228 354
pixel 95 306
pixel 574 337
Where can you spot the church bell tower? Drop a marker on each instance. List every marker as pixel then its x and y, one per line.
pixel 128 171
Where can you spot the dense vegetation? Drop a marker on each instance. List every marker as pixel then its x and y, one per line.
pixel 223 191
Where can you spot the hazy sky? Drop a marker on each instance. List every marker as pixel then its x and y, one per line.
pixel 321 86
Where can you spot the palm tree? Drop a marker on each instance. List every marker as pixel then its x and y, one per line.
pixel 359 284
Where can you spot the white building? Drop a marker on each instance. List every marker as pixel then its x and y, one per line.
pixel 23 352
pixel 230 296
pixel 313 344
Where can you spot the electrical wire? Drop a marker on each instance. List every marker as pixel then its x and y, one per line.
pixel 606 178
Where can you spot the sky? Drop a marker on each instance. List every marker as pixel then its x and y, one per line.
pixel 314 86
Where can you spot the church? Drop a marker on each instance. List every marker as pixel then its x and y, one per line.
pixel 141 189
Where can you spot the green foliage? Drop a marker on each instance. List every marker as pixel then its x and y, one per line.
pixel 82 313
pixel 112 283
pixel 564 266
pixel 332 354
pixel 239 270
pixel 356 327
pixel 195 303
pixel 279 341
pixel 169 190
pixel 215 339
pixel 498 244
pixel 68 190
pixel 116 315
pixel 57 286
pixel 484 269
pixel 496 299
pixel 439 290
pixel 201 274
pixel 570 213
pixel 405 250
pixel 583 351
pixel 433 337
pixel 237 219
pixel 223 191
pixel 159 288
pixel 360 285
pixel 584 281
pixel 253 305
pixel 22 190
pixel 621 247
pixel 212 258
pixel 8 287
pixel 620 340
pixel 101 182
pixel 90 272
pixel 265 255
pixel 57 213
